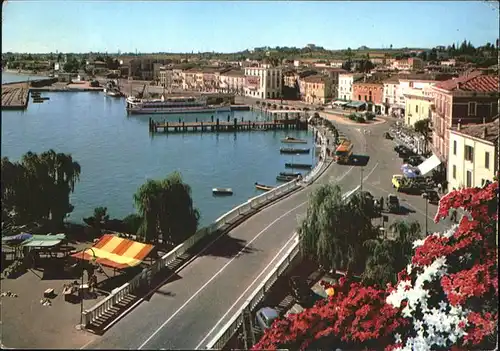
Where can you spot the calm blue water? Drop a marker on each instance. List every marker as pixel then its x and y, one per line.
pixel 8 77
pixel 117 153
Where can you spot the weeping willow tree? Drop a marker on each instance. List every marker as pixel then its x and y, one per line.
pixel 167 210
pixel 39 187
pixel 334 230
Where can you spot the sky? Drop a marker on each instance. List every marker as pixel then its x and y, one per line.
pixel 39 26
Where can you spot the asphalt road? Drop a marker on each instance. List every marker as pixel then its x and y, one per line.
pixel 187 312
pixel 181 313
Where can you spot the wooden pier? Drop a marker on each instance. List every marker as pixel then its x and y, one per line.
pixel 15 96
pixel 226 126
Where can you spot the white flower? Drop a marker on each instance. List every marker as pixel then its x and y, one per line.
pixel 443 305
pixel 449 233
pixel 397 336
pixel 408 269
pixel 418 242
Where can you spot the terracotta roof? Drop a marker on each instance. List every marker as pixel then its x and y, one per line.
pixel 474 81
pixel 314 79
pixel 333 69
pixel 486 131
pixel 393 80
pixel 371 80
pixel 235 73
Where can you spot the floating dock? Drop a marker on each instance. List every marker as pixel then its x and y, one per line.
pixel 15 96
pixel 223 126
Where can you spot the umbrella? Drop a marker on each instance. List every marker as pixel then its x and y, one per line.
pixel 18 237
pixel 411 173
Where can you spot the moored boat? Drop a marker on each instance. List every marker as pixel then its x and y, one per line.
pixel 263 187
pixel 281 178
pixel 292 140
pixel 291 150
pixel 291 174
pixel 167 105
pixel 298 165
pixel 222 191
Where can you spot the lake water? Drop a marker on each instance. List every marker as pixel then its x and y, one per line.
pixel 117 154
pixel 9 77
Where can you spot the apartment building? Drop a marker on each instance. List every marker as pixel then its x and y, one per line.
pixel 371 91
pixel 408 64
pixel 333 74
pixel 346 80
pixel 317 89
pixel 469 99
pixel 232 81
pixel 263 82
pixel 417 106
pixel 473 154
pixel 391 100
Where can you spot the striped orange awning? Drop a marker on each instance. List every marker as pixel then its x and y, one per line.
pixel 116 252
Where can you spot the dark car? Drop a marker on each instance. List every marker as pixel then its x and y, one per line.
pixel 301 292
pixel 387 135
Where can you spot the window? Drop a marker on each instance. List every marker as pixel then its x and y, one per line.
pixel 454 172
pixel 359 97
pixel 487 160
pixel 483 181
pixel 472 108
pixel 416 109
pixel 365 98
pixel 454 147
pixel 469 179
pixel 469 153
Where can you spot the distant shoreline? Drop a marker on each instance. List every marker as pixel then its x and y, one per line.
pixel 24 73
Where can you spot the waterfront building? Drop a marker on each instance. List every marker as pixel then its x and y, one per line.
pixel 345 82
pixel 232 81
pixel 317 89
pixel 371 91
pixel 333 74
pixel 469 99
pixel 417 105
pixel 263 82
pixel 473 154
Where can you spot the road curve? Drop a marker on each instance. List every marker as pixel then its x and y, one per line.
pixel 182 312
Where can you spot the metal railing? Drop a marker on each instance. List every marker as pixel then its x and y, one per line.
pixel 228 218
pixel 232 326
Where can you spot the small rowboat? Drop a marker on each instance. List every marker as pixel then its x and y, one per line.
pixel 292 140
pixel 298 165
pixel 222 191
pixel 263 187
pixel 291 174
pixel 281 178
pixel 290 150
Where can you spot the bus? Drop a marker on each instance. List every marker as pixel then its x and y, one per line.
pixel 344 152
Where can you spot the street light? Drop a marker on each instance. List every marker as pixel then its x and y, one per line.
pixel 81 326
pixel 426 197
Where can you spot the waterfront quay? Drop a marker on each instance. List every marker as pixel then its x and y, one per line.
pixel 226 126
pixel 15 96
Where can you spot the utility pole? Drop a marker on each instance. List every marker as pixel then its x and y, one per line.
pixel 361 180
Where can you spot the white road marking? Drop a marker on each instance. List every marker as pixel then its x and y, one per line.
pixel 218 273
pixel 246 290
pixel 371 172
pixel 251 284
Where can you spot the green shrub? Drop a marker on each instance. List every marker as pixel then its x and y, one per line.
pixel 360 119
pixel 352 117
pixel 370 116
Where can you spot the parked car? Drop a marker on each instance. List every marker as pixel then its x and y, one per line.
pixel 397 179
pixel 388 136
pixel 393 203
pixel 265 317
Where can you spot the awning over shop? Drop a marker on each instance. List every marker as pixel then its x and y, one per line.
pixel 429 164
pixel 116 252
pixel 355 104
pixel 340 103
pixel 48 240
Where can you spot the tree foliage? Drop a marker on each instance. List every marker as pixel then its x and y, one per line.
pixel 39 186
pixel 334 230
pixel 167 210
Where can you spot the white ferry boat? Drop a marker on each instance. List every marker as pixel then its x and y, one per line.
pixel 172 105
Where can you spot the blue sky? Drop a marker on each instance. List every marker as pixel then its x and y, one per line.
pixel 228 26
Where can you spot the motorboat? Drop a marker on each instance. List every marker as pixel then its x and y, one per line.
pixel 222 191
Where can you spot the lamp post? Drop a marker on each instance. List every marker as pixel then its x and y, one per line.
pixel 81 326
pixel 426 197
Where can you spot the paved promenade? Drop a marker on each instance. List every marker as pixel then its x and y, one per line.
pixel 182 314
